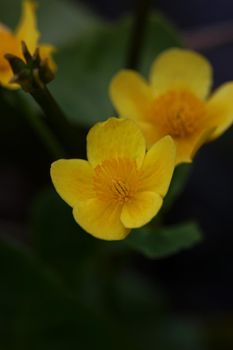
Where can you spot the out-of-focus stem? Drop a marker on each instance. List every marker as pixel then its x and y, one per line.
pixel 56 119
pixel 33 74
pixel 138 32
pixel 46 136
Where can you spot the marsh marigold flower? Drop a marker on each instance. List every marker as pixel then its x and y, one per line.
pixel 10 42
pixel 175 102
pixel 121 186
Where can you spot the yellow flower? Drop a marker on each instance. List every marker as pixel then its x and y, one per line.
pixel 11 42
pixel 121 186
pixel 175 101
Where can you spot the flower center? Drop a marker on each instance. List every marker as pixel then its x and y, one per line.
pixel 8 44
pixel 120 189
pixel 116 179
pixel 179 113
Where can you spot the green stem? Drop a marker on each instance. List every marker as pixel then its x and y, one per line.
pixel 32 75
pixel 138 33
pixel 46 136
pixel 56 119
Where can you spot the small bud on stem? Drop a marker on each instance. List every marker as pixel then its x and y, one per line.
pixel 31 74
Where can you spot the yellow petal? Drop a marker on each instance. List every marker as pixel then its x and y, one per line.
pixel 179 68
pixel 72 180
pixel 152 132
pixel 184 151
pixel 186 148
pixel 8 44
pixel 46 52
pixel 5 77
pixel 101 219
pixel 141 209
pixel 220 109
pixel 158 166
pixel 27 28
pixel 130 94
pixel 115 138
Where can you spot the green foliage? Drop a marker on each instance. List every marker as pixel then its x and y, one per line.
pixel 57 239
pixel 38 312
pixel 87 66
pixel 159 242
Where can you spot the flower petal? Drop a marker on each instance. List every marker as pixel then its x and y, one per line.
pixel 141 209
pixel 184 150
pixel 179 68
pixel 115 138
pixel 46 52
pixel 5 77
pixel 27 28
pixel 220 109
pixel 158 166
pixel 8 44
pixel 101 219
pixel 130 94
pixel 152 132
pixel 187 147
pixel 73 180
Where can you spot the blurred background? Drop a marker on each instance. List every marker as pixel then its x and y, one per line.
pixel 49 276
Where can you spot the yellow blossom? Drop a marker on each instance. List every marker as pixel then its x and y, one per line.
pixel 10 42
pixel 121 186
pixel 175 102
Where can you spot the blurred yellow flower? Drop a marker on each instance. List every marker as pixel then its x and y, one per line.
pixel 175 101
pixel 11 42
pixel 121 186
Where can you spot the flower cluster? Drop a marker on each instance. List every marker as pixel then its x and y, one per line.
pixel 122 186
pixel 131 159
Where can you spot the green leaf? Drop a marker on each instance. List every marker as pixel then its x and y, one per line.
pixel 86 68
pixel 60 21
pixel 164 241
pixel 70 21
pixel 57 239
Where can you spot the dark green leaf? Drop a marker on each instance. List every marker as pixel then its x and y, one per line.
pixel 86 68
pixel 164 241
pixel 37 312
pixel 57 239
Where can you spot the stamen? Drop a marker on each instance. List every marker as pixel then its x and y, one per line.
pixel 116 179
pixel 121 189
pixel 179 113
